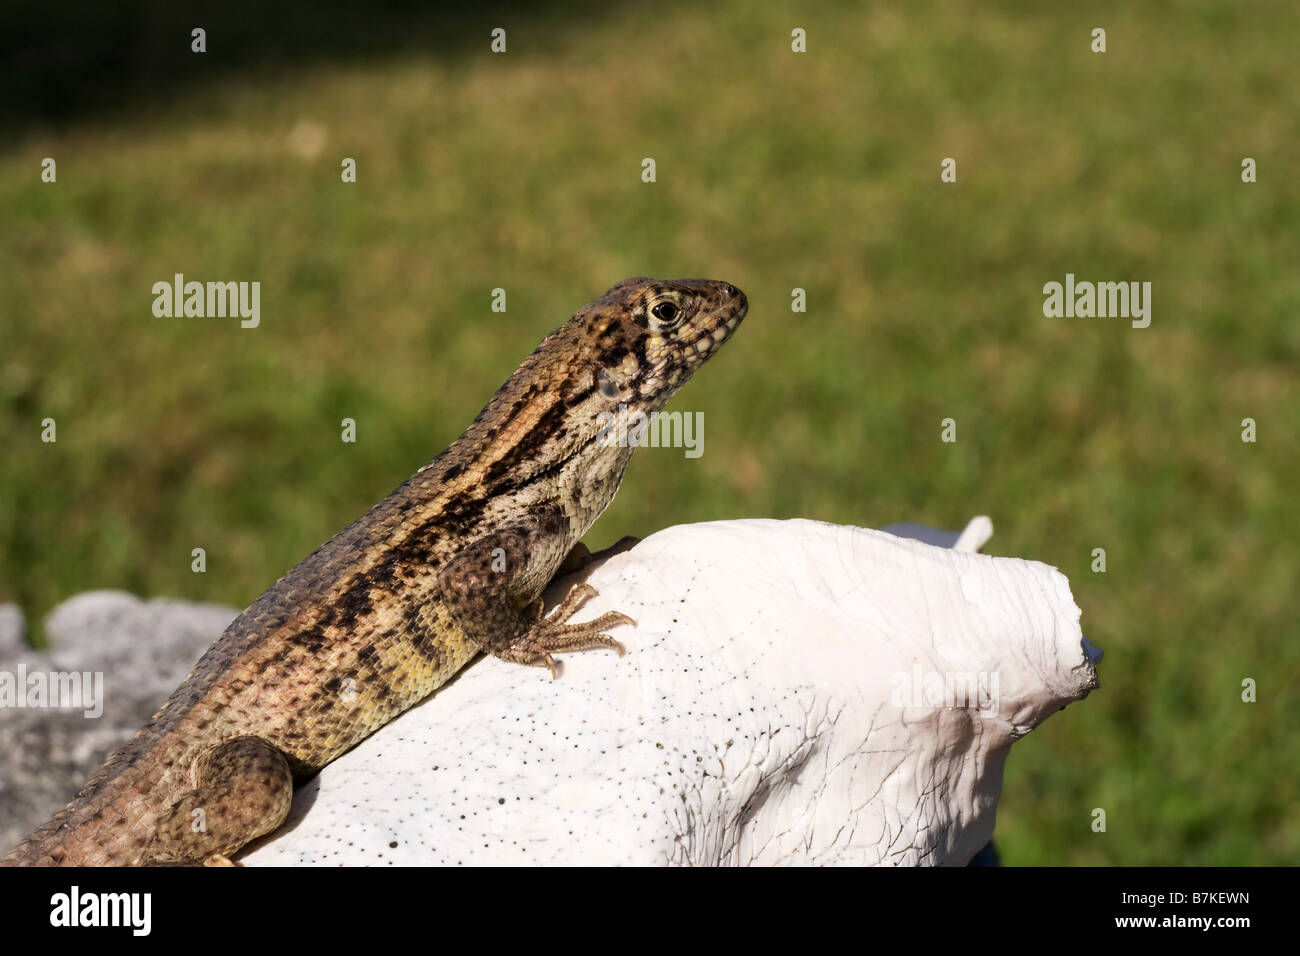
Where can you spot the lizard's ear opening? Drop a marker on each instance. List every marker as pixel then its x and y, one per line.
pixel 607 386
pixel 615 384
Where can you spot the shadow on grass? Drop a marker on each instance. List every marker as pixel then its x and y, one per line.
pixel 64 61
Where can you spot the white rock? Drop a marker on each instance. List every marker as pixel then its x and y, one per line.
pixel 771 709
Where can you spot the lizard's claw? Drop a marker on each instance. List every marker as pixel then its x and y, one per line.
pixel 551 635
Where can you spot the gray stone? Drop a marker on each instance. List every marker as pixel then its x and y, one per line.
pixel 141 649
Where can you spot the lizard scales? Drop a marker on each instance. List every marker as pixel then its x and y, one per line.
pixel 452 562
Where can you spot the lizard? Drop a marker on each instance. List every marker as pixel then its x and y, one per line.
pixel 451 564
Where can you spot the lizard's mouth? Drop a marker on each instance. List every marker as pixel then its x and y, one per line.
pixel 716 326
pixel 716 331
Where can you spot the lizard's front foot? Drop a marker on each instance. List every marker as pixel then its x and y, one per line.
pixel 551 635
pixel 479 593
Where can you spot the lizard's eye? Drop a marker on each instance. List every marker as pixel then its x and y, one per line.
pixel 665 312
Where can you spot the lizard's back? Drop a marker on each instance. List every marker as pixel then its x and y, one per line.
pixel 313 666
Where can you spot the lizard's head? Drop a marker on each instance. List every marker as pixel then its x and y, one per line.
pixel 627 352
pixel 652 334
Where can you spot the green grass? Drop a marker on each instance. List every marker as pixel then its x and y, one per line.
pixel 819 171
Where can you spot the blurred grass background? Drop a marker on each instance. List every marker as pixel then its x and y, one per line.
pixel 775 171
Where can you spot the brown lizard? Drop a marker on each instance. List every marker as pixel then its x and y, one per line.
pixel 453 562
